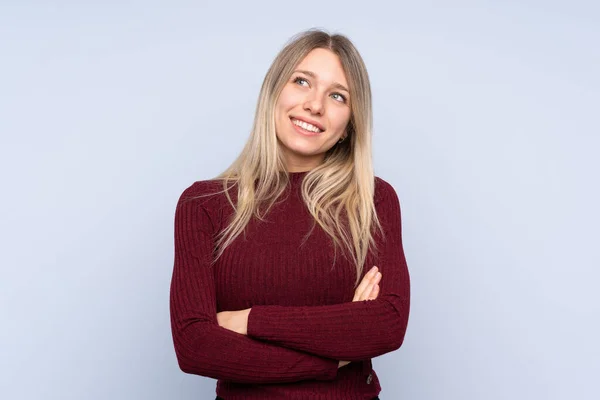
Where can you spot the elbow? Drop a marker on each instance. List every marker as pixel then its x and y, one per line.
pixel 396 339
pixel 183 366
pixel 193 362
pixel 184 358
pixel 191 341
pixel 190 369
pixel 397 330
pixel 188 351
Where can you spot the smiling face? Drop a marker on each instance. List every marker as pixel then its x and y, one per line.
pixel 313 110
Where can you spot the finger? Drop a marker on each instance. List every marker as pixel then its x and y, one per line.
pixel 374 293
pixel 374 282
pixel 364 284
pixel 359 292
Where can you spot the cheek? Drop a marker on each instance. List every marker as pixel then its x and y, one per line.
pixel 286 100
pixel 340 119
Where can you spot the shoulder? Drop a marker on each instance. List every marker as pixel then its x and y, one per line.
pixel 206 193
pixel 384 192
pixel 200 188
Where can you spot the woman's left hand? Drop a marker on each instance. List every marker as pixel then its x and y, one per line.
pixel 236 321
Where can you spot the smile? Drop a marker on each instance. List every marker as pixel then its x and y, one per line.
pixel 305 128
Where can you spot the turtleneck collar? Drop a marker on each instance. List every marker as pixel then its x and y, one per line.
pixel 297 177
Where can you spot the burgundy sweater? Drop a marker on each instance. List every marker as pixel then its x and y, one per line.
pixel 302 319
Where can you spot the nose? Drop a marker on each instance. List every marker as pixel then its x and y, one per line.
pixel 314 104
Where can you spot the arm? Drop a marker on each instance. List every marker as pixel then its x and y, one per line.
pixel 349 331
pixel 201 345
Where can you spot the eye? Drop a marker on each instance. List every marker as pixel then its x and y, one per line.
pixel 300 79
pixel 341 98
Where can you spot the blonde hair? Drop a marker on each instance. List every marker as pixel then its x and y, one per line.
pixel 339 192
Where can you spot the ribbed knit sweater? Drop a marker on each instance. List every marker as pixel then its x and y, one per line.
pixel 302 319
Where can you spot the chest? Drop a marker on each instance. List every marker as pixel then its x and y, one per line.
pixel 285 260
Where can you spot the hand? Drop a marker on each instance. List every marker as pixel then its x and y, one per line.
pixel 368 289
pixel 236 321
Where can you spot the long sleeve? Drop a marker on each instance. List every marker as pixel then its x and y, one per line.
pixel 201 345
pixel 355 330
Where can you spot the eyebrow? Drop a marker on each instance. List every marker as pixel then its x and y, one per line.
pixel 313 75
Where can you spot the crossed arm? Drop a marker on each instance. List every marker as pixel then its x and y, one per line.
pixel 237 321
pixel 223 345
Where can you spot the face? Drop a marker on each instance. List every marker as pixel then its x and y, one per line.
pixel 313 110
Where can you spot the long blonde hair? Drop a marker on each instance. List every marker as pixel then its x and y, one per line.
pixel 339 192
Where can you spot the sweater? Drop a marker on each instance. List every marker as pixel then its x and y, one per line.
pixel 302 320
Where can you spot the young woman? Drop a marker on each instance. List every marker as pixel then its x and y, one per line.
pixel 273 291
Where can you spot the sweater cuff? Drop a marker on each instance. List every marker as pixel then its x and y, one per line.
pixel 269 322
pixel 255 322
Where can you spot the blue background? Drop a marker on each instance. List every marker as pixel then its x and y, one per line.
pixel 486 123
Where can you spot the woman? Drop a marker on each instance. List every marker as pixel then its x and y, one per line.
pixel 269 294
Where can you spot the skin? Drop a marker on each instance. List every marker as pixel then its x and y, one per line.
pixel 314 92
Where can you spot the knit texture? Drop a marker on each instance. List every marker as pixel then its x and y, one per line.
pixel 302 319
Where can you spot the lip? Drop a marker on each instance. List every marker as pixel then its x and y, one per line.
pixel 309 121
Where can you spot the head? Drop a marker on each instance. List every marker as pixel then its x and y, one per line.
pixel 318 78
pixel 312 112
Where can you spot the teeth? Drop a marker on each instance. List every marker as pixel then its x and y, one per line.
pixel 306 126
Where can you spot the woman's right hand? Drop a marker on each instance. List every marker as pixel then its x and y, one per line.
pixel 368 289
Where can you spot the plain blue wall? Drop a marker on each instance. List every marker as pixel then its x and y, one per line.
pixel 486 123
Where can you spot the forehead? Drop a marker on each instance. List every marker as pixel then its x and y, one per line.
pixel 325 64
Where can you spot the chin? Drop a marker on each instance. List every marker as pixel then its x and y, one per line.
pixel 301 145
pixel 301 149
